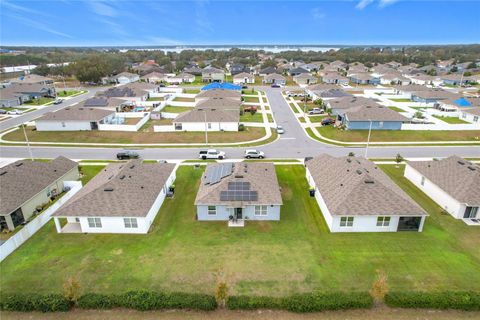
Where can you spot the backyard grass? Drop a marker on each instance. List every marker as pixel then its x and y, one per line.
pixel 400 99
pixel 317 118
pixel 249 91
pixel 296 254
pixel 156 99
pixel 250 99
pixel 396 109
pixel 248 117
pixel 138 137
pixel 38 102
pixel 180 99
pixel 173 109
pixel 398 135
pixel 451 120
pixel 67 93
pixel 192 91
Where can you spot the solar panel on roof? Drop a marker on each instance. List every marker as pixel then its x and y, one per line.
pixel 239 195
pixel 215 173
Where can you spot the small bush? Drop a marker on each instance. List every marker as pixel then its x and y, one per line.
pixel 314 302
pixel 96 301
pixel 149 300
pixel 461 300
pixel 253 303
pixel 241 127
pixel 35 302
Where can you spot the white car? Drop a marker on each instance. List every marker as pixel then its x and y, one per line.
pixel 15 111
pixel 211 154
pixel 280 130
pixel 252 153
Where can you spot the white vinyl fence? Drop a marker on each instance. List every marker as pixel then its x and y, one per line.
pixel 33 226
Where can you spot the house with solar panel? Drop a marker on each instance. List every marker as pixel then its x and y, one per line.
pixel 237 192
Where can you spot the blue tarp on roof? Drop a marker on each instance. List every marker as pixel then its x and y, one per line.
pixel 462 102
pixel 221 85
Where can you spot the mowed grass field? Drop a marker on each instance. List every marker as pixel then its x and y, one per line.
pixel 296 254
pixel 250 133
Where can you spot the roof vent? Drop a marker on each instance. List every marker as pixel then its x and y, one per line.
pixel 358 171
pixel 369 181
pixel 3 173
pixel 109 189
pixel 132 166
pixel 141 187
pixel 19 164
pixel 341 184
pixel 80 108
pixel 122 177
pixel 239 176
pixel 461 162
pixel 349 160
pixel 472 168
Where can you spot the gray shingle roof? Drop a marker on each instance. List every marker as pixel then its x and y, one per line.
pixel 119 190
pixel 262 178
pixel 454 175
pixel 22 180
pixel 374 113
pixel 76 113
pixel 355 186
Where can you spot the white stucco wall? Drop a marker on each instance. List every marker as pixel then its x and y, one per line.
pixel 62 125
pixel 215 126
pixel 224 212
pixel 443 199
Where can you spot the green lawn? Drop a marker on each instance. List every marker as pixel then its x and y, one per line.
pixel 250 99
pixel 173 109
pixel 247 117
pixel 156 99
pixel 194 91
pixel 400 99
pixel 301 119
pixel 398 135
pixel 317 118
pixel 38 102
pixel 451 120
pixel 67 93
pixel 180 99
pixel 270 118
pixel 295 110
pixel 296 254
pixel 396 109
pixel 249 91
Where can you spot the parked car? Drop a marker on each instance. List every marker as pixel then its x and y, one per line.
pixel 58 101
pixel 14 111
pixel 252 153
pixel 3 111
pixel 316 111
pixel 280 130
pixel 327 121
pixel 127 155
pixel 211 154
pixel 244 86
pixel 275 85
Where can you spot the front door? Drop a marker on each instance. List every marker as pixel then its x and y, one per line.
pixel 238 213
pixel 470 213
pixel 93 125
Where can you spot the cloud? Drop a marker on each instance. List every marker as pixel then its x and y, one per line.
pixel 317 14
pixel 103 9
pixel 384 3
pixel 38 25
pixel 362 4
pixel 164 41
pixel 16 7
pixel 116 28
pixel 202 21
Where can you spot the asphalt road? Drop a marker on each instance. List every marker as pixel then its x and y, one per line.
pixel 293 144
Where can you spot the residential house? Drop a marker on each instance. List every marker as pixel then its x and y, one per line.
pixel 297 71
pixel 325 91
pixel 154 77
pixel 311 67
pixel 355 195
pixel 338 65
pixel 211 74
pixel 195 70
pixel 266 71
pixel 334 78
pixel 364 78
pixel 394 79
pixel 471 114
pixel 453 183
pixel 19 93
pixel 305 79
pixel 237 192
pixel 394 64
pixel 74 118
pixel 433 96
pixel 424 79
pixel 274 78
pixel 33 79
pixel 122 198
pixel 243 78
pixel 181 78
pixel 27 186
pixel 457 80
pixel 237 68
pixel 373 116
pixel 124 78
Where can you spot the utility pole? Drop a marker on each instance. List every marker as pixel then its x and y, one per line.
pixel 206 129
pixel 28 142
pixel 368 139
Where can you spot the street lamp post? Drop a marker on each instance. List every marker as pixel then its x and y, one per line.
pixel 206 129
pixel 368 139
pixel 28 142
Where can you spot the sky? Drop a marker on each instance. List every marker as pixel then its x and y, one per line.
pixel 203 22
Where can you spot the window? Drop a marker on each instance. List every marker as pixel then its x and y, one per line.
pixel 464 115
pixel 383 221
pixel 423 181
pixel 209 125
pixel 346 222
pixel 475 119
pixel 130 222
pixel 63 124
pixel 380 124
pixel 94 222
pixel 212 210
pixel 261 210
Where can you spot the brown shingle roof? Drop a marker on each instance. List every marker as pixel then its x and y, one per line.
pixel 76 113
pixel 454 175
pixel 262 178
pixel 374 113
pixel 119 190
pixel 356 186
pixel 22 180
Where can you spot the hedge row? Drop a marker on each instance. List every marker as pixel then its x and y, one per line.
pixel 467 300
pixel 308 302
pixel 139 300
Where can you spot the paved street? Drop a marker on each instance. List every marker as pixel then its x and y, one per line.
pixel 293 144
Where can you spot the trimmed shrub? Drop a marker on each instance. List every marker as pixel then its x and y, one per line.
pixel 35 302
pixel 149 300
pixel 461 300
pixel 314 302
pixel 253 302
pixel 96 301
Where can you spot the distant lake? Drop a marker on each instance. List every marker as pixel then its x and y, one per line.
pixel 267 48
